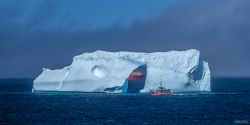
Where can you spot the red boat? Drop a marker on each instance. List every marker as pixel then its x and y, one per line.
pixel 162 91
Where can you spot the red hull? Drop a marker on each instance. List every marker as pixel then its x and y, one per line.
pixel 136 77
pixel 157 93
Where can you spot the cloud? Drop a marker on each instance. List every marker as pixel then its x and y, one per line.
pixel 219 29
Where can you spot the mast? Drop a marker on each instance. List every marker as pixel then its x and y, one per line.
pixel 161 83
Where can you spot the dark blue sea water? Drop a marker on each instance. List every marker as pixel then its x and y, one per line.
pixel 227 103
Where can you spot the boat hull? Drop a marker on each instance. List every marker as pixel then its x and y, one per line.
pixel 157 93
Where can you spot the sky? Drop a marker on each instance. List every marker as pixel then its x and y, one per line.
pixel 36 34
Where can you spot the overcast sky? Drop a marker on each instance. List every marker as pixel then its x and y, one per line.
pixel 36 34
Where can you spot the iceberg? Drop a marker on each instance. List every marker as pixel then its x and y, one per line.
pixel 103 71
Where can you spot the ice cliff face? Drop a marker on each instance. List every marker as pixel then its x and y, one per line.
pixel 101 71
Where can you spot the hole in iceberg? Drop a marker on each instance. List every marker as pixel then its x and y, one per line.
pixel 137 78
pixel 100 71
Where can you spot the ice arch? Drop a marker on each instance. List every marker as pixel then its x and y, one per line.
pixel 137 79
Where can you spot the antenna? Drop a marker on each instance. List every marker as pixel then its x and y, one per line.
pixel 161 83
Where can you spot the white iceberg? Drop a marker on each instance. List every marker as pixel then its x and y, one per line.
pixel 102 71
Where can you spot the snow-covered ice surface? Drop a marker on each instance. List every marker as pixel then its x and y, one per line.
pixel 103 71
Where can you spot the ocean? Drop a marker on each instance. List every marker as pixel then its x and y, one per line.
pixel 227 103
